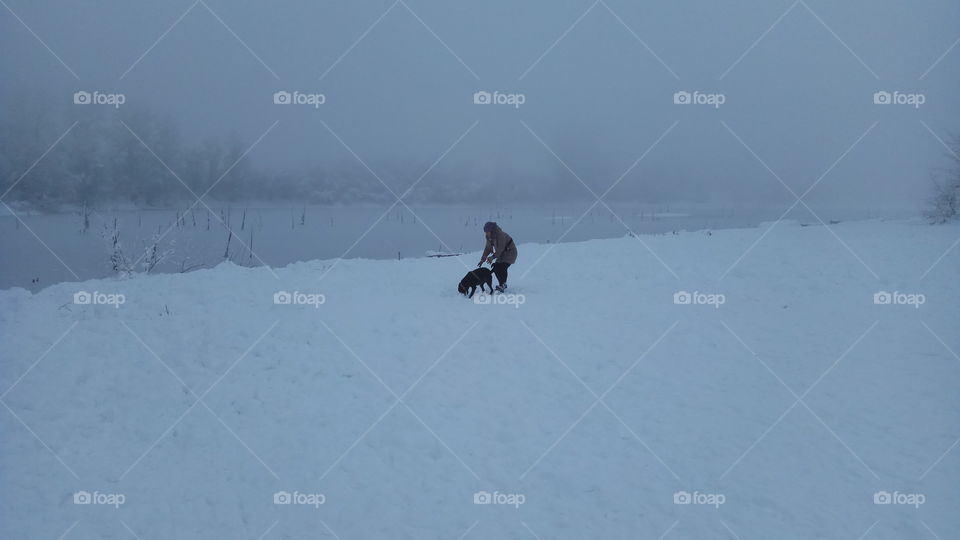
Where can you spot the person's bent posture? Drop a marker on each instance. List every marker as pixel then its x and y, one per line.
pixel 500 252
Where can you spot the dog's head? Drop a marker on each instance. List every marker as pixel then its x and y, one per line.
pixel 461 288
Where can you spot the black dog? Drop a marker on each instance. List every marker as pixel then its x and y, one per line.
pixel 475 278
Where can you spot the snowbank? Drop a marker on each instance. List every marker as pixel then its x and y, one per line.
pixel 770 392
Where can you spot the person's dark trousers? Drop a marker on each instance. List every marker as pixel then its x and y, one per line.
pixel 500 270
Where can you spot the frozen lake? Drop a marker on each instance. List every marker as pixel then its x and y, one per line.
pixel 50 248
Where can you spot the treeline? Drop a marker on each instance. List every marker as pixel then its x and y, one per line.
pixel 133 155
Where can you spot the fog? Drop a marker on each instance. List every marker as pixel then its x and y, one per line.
pixel 597 81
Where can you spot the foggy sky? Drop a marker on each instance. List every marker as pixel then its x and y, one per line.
pixel 598 79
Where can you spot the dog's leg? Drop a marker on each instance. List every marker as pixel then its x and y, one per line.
pixel 473 289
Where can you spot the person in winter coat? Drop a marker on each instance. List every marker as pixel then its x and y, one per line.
pixel 499 248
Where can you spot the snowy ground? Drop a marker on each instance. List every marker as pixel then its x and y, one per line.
pixel 592 397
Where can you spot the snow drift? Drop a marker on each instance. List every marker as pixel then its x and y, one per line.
pixel 787 382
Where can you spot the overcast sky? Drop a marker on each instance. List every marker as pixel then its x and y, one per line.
pixel 796 81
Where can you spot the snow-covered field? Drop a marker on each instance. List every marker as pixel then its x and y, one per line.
pixel 781 402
